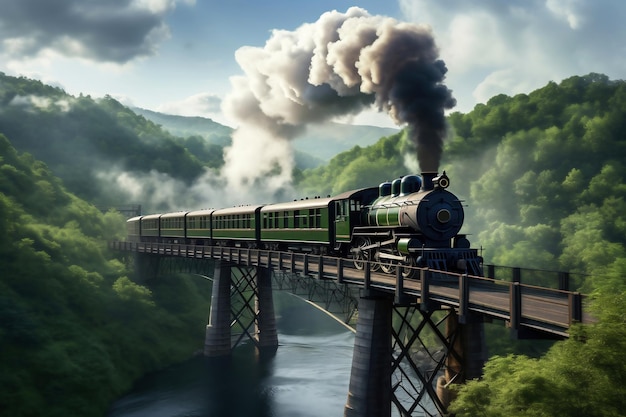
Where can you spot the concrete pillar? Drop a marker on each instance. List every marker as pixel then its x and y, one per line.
pixel 217 341
pixel 146 266
pixel 469 356
pixel 267 335
pixel 369 392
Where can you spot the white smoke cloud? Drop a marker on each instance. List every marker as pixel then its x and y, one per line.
pixel 159 192
pixel 339 65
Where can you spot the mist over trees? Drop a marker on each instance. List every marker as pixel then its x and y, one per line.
pixel 75 330
pixel 99 148
pixel 543 176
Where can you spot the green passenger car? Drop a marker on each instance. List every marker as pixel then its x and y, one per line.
pixel 304 221
pixel 321 221
pixel 150 225
pixel 235 224
pixel 173 225
pixel 133 229
pixel 199 226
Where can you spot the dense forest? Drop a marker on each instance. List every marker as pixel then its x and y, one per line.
pixel 75 330
pixel 543 176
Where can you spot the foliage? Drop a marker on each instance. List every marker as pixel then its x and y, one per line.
pixel 554 197
pixel 581 376
pixel 545 176
pixel 67 344
pixel 554 161
pixel 92 145
pixel 357 168
pixel 542 173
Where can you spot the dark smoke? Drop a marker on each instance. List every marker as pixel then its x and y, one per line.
pixel 421 99
pixel 339 65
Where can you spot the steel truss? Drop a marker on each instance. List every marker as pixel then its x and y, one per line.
pixel 423 347
pixel 244 293
pixel 341 300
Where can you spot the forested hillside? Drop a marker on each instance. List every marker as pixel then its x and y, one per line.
pixel 75 331
pixel 547 174
pixel 94 146
pixel 544 176
pixel 113 155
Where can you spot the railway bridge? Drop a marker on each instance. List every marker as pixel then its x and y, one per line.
pixel 414 337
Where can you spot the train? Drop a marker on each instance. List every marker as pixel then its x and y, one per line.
pixel 412 221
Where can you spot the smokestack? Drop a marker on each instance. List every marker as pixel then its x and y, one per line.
pixel 427 181
pixel 339 65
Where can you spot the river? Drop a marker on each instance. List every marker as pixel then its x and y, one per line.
pixel 308 377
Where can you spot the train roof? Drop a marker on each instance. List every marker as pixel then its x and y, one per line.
pixel 174 214
pixel 298 204
pixel 320 202
pixel 202 212
pixel 151 216
pixel 237 210
pixel 134 219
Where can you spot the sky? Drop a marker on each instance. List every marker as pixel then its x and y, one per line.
pixel 179 56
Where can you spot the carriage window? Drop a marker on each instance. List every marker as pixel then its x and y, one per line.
pixel 300 218
pixel 339 209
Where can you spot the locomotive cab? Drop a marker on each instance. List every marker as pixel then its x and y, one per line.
pixel 348 208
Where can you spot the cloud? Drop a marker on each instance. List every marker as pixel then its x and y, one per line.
pixel 339 65
pixel 493 47
pixel 203 104
pixel 31 103
pixel 107 31
pixel 159 192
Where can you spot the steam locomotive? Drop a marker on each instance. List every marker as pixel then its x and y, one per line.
pixel 412 221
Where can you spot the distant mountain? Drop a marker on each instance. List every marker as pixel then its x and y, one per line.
pixel 330 139
pixel 110 155
pixel 321 142
pixel 184 126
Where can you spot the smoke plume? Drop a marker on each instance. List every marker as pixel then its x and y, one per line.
pixel 336 66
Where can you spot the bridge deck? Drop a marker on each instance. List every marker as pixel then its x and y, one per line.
pixel 524 307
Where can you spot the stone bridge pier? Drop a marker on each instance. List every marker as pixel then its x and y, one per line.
pixel 242 306
pixel 407 355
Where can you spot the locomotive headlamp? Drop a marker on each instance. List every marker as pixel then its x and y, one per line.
pixel 441 181
pixel 443 216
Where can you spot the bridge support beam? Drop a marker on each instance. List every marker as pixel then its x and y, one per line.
pixel 466 356
pixel 408 358
pixel 217 340
pixel 266 334
pixel 241 297
pixel 146 266
pixel 370 379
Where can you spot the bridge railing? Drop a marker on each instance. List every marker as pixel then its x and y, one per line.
pixel 561 280
pixel 520 304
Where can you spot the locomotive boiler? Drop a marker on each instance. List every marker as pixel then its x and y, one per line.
pixel 415 221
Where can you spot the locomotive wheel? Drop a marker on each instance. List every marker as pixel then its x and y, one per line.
pixel 360 255
pixel 409 270
pixel 388 266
